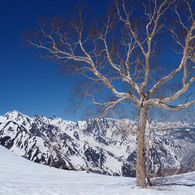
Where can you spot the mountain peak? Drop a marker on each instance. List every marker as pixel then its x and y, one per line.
pixel 15 115
pixel 12 113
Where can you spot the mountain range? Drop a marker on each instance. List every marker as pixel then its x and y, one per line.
pixel 100 145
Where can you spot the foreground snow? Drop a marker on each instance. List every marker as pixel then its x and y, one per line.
pixel 19 176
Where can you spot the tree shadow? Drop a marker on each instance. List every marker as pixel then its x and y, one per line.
pixel 170 182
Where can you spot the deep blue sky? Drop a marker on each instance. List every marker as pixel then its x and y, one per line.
pixel 29 84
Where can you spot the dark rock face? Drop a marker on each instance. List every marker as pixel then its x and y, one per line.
pixel 96 145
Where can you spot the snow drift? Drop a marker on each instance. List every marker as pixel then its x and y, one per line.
pixel 21 176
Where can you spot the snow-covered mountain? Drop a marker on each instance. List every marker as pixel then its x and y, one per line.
pixel 97 145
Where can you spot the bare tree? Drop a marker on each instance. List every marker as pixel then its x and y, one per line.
pixel 119 56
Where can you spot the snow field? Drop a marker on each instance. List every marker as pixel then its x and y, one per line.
pixel 19 176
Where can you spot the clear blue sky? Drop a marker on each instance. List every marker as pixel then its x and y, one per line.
pixel 29 84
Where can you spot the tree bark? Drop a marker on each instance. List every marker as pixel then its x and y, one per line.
pixel 140 164
pixel 148 160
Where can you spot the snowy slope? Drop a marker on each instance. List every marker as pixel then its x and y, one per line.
pixel 19 176
pixel 97 145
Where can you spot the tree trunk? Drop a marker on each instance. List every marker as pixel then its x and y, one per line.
pixel 140 164
pixel 148 160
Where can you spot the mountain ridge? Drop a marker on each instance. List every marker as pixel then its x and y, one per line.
pixel 96 145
